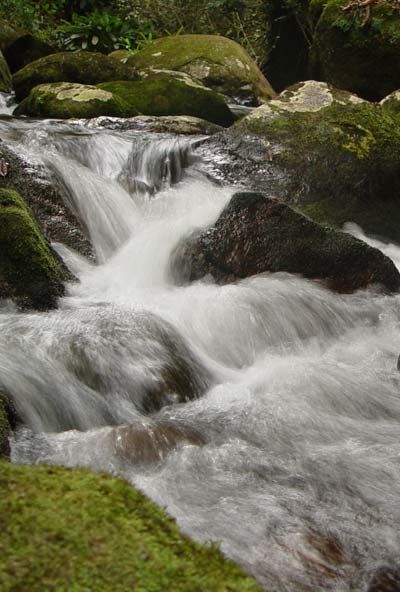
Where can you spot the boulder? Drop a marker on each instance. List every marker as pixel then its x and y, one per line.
pixel 5 75
pixel 256 234
pixel 217 62
pixel 83 67
pixel 71 527
pixel 356 53
pixel 328 153
pixel 63 100
pixel 44 197
pixel 29 271
pixel 163 94
pixel 392 103
pixel 20 47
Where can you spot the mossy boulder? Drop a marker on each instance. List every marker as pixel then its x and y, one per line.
pixel 28 269
pixel 70 530
pixel 357 55
pixel 218 62
pixel 5 75
pixel 83 67
pixel 256 234
pixel 120 54
pixel 20 47
pixel 392 103
pixel 332 156
pixel 163 94
pixel 63 100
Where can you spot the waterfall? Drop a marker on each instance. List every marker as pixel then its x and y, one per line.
pixel 264 415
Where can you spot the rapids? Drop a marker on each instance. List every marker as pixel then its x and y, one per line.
pixel 292 463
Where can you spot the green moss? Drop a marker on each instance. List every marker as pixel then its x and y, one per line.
pixel 341 163
pixel 83 67
pixel 66 100
pixel 359 57
pixel 71 530
pixel 166 95
pixel 219 62
pixel 26 262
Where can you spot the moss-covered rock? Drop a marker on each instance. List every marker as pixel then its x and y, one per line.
pixel 392 103
pixel 217 62
pixel 20 47
pixel 359 56
pixel 120 54
pixel 28 269
pixel 256 234
pixel 163 94
pixel 5 75
pixel 84 67
pixel 70 530
pixel 335 158
pixel 63 100
pixel 44 197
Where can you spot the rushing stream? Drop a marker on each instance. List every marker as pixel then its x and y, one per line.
pixel 290 460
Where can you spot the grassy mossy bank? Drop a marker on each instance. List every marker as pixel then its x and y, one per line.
pixel 355 54
pixel 66 100
pixel 167 95
pixel 338 163
pixel 28 269
pixel 72 530
pixel 218 62
pixel 84 67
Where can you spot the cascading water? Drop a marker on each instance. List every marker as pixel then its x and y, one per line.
pixel 288 453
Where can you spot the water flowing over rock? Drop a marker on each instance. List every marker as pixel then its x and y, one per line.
pixel 256 234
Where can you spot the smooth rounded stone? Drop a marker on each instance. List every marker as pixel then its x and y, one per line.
pixel 29 271
pixel 152 440
pixel 357 56
pixel 328 153
pixel 256 234
pixel 44 197
pixel 218 62
pixel 5 75
pixel 84 67
pixel 20 47
pixel 64 100
pixel 166 95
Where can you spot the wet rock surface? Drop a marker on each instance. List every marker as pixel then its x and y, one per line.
pixel 257 234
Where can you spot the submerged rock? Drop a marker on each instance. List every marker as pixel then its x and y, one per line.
pixel 29 271
pixel 5 75
pixel 163 94
pixel 20 47
pixel 63 100
pixel 256 234
pixel 83 67
pixel 354 54
pixel 217 62
pixel 326 152
pixel 81 527
pixel 151 441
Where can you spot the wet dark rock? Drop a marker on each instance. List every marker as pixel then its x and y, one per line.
pixel 5 75
pixel 5 428
pixel 152 440
pixel 44 196
pixel 328 153
pixel 257 234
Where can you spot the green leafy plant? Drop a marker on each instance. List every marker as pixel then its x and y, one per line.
pixel 100 31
